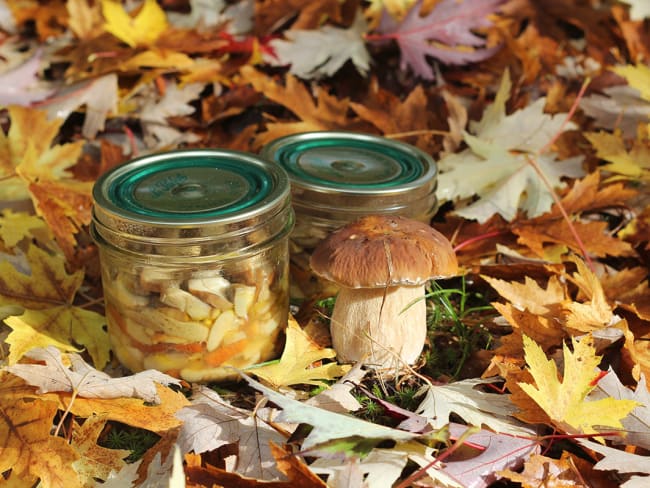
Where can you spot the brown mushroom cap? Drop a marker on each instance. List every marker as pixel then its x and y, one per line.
pixel 381 250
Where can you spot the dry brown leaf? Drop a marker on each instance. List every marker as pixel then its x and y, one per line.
pixel 326 112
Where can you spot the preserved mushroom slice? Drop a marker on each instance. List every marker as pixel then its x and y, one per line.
pixel 185 301
pixel 212 290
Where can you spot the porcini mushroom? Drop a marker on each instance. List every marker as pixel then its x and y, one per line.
pixel 381 264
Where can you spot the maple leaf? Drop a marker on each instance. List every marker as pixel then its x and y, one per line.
pixel 497 166
pixel 586 196
pixel 99 95
pixel 95 462
pixel 328 425
pixel 328 113
pixel 22 85
pixel 545 471
pixel 565 401
pixel 16 226
pixel 474 406
pixel 84 380
pixel 26 154
pixel 296 363
pixel 143 29
pixel 630 163
pixel 47 292
pixel 27 447
pixel 85 19
pixel 449 25
pixel 211 422
pixel 322 52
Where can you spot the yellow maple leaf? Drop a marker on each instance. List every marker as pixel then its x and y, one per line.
pixel 142 30
pixel 27 447
pixel 295 364
pixel 61 327
pixel 565 401
pixel 95 462
pixel 637 77
pixel 595 313
pixel 47 294
pixel 632 163
pixel 15 226
pixel 27 154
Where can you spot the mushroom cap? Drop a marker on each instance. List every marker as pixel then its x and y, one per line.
pixel 383 250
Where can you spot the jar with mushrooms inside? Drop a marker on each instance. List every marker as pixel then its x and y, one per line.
pixel 196 321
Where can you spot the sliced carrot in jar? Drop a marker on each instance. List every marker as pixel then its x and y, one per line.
pixel 224 353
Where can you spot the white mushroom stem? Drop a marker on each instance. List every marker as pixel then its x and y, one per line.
pixel 380 326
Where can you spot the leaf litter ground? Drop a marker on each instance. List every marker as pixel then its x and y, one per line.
pixel 537 356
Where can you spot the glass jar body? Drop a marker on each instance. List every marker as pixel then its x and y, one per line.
pixel 196 318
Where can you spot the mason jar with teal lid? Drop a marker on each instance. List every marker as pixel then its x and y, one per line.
pixel 337 177
pixel 194 253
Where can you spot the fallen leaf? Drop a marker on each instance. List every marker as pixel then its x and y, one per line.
pixel 474 406
pixel 327 425
pixel 95 462
pixel 545 471
pixel 296 365
pixel 631 163
pixel 16 226
pixel 27 155
pixel 440 33
pixel 84 380
pixel 495 453
pixel 565 401
pixel 323 51
pixel 210 422
pixel 142 29
pixel 29 449
pixel 497 166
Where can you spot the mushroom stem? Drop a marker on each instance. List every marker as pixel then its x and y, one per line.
pixel 380 326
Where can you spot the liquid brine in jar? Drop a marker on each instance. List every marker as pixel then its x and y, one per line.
pixel 194 253
pixel 337 177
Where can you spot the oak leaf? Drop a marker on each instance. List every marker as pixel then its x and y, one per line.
pixel 27 447
pixel 296 365
pixel 142 29
pixel 565 401
pixel 445 33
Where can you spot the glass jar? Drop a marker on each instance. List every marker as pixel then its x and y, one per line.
pixel 337 177
pixel 194 253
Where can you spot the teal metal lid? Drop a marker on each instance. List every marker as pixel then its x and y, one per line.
pixel 208 191
pixel 356 167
